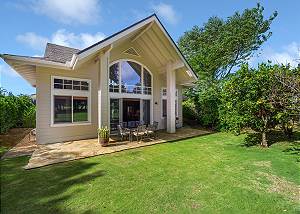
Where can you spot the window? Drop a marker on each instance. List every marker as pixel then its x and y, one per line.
pixel 164 108
pixel 147 82
pixel 70 101
pixel 70 84
pixel 164 102
pixel 114 78
pixel 114 113
pixel 62 109
pixel 129 77
pixel 80 109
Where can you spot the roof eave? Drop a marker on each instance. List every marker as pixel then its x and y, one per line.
pixel 35 61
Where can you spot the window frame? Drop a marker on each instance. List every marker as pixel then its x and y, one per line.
pixel 72 93
pixel 142 78
pixel 163 93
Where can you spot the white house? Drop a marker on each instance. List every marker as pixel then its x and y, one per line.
pixel 136 74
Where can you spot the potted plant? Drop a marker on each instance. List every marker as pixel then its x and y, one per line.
pixel 103 136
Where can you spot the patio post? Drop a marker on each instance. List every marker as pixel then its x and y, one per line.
pixel 103 96
pixel 171 97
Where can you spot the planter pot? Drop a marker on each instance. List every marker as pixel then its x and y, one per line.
pixel 103 141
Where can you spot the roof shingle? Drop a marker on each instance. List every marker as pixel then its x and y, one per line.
pixel 59 53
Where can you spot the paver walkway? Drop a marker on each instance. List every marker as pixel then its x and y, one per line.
pixel 61 152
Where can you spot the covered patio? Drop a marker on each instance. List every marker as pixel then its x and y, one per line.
pixel 61 152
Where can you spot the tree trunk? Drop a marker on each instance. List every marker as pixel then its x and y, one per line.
pixel 264 142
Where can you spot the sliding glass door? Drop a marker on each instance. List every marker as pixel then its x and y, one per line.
pixel 146 111
pixel 114 113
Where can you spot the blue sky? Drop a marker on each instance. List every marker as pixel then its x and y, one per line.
pixel 26 25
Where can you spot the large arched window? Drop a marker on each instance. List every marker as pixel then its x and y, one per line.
pixel 129 77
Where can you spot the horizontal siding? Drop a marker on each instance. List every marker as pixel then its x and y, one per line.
pixel 48 134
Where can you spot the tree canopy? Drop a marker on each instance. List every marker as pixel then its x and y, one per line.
pixel 260 98
pixel 220 45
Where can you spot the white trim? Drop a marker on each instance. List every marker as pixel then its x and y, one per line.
pixel 71 124
pixel 71 93
pixel 176 48
pixel 33 61
pixel 138 55
pixel 130 30
pixel 164 97
pixel 119 95
pixel 120 76
pixel 142 32
pixel 114 38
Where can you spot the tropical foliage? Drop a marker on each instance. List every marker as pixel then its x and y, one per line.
pixel 214 49
pixel 15 111
pixel 257 98
pixel 218 47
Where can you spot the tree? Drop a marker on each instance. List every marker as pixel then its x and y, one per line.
pixel 286 97
pixel 247 102
pixel 216 48
pixel 206 99
pixel 260 99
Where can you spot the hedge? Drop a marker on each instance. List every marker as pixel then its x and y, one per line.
pixel 15 111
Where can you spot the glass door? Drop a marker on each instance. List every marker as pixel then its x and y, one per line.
pixel 146 111
pixel 114 113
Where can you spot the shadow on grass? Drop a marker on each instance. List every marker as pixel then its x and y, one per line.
pixel 44 190
pixel 274 136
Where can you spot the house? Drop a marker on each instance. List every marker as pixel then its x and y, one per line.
pixel 136 74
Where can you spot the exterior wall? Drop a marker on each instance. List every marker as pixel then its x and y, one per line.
pixel 48 134
pixel 159 79
pixel 90 70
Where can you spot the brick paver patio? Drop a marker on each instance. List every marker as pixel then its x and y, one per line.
pixel 67 151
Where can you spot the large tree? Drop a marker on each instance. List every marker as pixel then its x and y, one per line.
pixel 260 98
pixel 216 48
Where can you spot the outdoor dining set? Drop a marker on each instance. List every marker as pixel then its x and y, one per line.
pixel 139 130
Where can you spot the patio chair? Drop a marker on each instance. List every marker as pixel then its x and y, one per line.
pixel 123 124
pixel 140 132
pixel 123 132
pixel 131 124
pixel 151 130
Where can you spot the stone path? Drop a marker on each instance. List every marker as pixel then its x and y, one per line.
pixel 61 152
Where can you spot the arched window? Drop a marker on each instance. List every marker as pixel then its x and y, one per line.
pixel 129 77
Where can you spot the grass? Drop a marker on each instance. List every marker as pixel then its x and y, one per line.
pixel 208 174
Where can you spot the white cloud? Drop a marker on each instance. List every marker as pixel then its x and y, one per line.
pixel 68 11
pixel 288 54
pixel 82 40
pixel 60 37
pixel 167 12
pixel 33 40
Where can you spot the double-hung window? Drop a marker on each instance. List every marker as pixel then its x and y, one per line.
pixel 164 102
pixel 70 101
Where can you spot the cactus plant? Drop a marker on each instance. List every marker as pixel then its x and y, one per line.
pixel 103 135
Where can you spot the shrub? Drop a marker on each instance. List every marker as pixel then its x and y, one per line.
pixel 29 117
pixel 189 110
pixel 206 100
pixel 15 111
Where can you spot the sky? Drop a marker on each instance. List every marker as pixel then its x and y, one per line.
pixel 27 25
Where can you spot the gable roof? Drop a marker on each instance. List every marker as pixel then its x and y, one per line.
pixel 68 58
pixel 59 53
pixel 109 40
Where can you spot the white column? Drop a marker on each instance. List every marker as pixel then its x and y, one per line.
pixel 171 90
pixel 103 96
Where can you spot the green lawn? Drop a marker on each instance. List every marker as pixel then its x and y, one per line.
pixel 208 174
